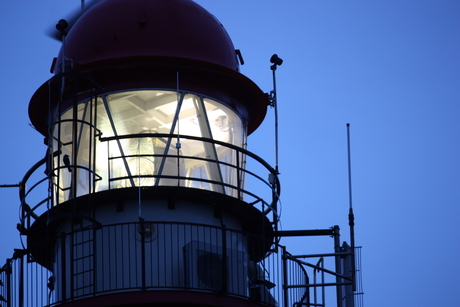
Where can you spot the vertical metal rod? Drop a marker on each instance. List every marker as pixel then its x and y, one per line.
pixel 8 283
pixel 238 175
pixel 338 264
pixel 142 224
pixel 21 281
pixel 274 204
pixel 75 145
pixel 285 277
pixel 351 216
pixel 315 301
pixel 95 261
pixel 139 195
pixel 178 143
pixel 274 103
pixel 73 262
pixel 224 260
pixel 91 146
pixel 63 269
pixel 323 289
pixel 63 36
pixel 178 96
pixel 350 198
pixel 96 147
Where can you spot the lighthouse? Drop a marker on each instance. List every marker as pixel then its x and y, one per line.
pixel 145 122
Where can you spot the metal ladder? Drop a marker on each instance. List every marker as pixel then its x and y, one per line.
pixel 83 273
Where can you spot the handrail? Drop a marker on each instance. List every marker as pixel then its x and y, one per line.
pixel 274 174
pixel 273 186
pixel 22 188
pixel 202 139
pixel 288 282
pixel 35 286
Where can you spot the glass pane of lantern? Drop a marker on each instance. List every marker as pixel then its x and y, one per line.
pixel 145 159
pixel 75 140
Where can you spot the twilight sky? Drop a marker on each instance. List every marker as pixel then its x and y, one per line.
pixel 389 68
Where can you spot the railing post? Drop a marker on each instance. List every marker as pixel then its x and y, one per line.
pixel 238 175
pixel 338 264
pixel 285 277
pixel 21 281
pixel 94 261
pixel 8 282
pixel 142 233
pixel 323 289
pixel 315 282
pixel 63 269
pixel 224 260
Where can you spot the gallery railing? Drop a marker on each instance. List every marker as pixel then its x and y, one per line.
pixel 134 257
pixel 42 180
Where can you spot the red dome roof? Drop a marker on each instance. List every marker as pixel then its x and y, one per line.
pixel 132 44
pixel 172 28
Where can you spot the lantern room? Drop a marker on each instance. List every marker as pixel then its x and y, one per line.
pixel 148 138
pixel 136 109
pixel 146 120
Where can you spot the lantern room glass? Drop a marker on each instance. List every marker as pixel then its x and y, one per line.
pixel 139 138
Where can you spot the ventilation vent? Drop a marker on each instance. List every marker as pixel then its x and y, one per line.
pixel 206 268
pixel 210 267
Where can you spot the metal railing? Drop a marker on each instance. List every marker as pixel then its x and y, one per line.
pixel 40 180
pixel 323 280
pixel 159 256
pixel 145 256
pixel 238 167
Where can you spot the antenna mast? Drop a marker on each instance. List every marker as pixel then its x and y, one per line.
pixel 351 216
pixel 275 60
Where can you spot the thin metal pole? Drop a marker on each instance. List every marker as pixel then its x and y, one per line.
pixel 21 281
pixel 303 233
pixel 351 216
pixel 95 268
pixel 238 175
pixel 15 185
pixel 8 282
pixel 224 260
pixel 338 266
pixel 350 197
pixel 142 233
pixel 323 289
pixel 139 194
pixel 63 268
pixel 275 106
pixel 285 277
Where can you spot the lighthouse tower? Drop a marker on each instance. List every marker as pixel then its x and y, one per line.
pixel 141 197
pixel 146 120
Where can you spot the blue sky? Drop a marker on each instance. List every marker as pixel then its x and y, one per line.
pixel 389 68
